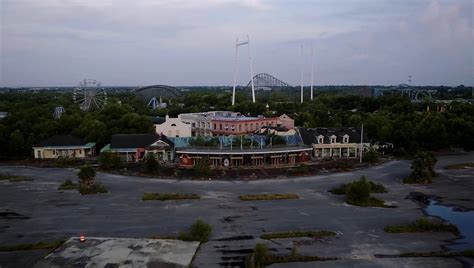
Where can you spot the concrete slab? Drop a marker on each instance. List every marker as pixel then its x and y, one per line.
pixel 121 252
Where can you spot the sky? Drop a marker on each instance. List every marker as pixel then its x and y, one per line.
pixel 192 42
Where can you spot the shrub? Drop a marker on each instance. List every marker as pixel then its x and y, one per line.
pixel 202 169
pixel 358 192
pixel 110 161
pixel 151 164
pixel 260 251
pixel 343 188
pixel 200 231
pixel 376 187
pixel 68 185
pixel 422 168
pixel 371 156
pixel 86 175
pixel 339 190
pixel 95 188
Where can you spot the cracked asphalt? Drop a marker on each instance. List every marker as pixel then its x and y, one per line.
pixel 44 213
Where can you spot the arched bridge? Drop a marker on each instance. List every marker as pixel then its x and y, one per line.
pixel 415 95
pixel 158 92
pixel 266 81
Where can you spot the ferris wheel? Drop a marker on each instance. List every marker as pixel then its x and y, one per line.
pixel 90 95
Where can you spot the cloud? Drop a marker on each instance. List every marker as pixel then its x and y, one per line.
pixel 186 42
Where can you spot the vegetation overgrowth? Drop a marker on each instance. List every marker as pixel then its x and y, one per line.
pixel 200 231
pixel 68 185
pixel 168 196
pixel 422 225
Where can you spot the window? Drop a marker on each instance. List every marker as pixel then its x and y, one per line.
pixel 173 125
pixel 240 127
pixel 333 139
pixel 220 126
pixel 345 139
pixel 215 126
pixel 320 139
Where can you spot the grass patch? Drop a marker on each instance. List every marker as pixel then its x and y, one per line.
pixel 13 178
pixel 254 197
pixel 422 225
pixel 372 202
pixel 68 185
pixel 168 196
pixel 460 166
pixel 292 234
pixel 96 188
pixel 40 245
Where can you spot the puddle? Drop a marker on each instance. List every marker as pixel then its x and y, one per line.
pixel 463 219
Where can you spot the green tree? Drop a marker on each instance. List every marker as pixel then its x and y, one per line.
pixel 422 168
pixel 371 156
pixel 358 192
pixel 86 176
pixel 201 231
pixel 151 164
pixel 16 143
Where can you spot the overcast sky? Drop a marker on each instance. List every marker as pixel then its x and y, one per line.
pixel 191 42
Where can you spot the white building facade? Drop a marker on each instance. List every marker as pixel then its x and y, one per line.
pixel 174 127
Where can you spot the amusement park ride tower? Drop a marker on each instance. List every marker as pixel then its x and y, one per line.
pixel 237 44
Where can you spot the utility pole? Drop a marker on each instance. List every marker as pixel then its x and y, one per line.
pixel 312 70
pixel 302 70
pixel 361 141
pixel 235 71
pixel 251 70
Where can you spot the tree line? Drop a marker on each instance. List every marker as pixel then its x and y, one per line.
pixel 411 127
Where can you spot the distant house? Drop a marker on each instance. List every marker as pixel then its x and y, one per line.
pixel 286 121
pixel 64 146
pixel 134 147
pixel 334 142
pixel 3 115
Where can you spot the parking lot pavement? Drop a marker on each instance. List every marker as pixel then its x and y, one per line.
pixel 48 214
